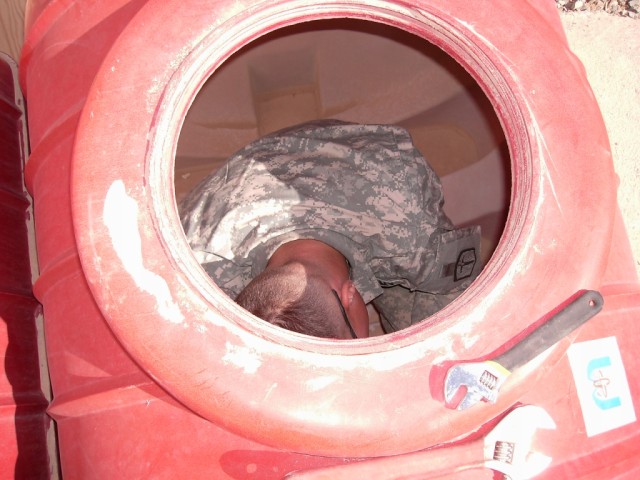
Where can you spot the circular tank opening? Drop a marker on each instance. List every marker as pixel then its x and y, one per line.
pixel 361 72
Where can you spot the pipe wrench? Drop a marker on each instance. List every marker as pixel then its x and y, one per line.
pixel 482 380
pixel 509 448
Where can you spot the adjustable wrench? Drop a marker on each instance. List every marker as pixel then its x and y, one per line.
pixel 506 449
pixel 482 380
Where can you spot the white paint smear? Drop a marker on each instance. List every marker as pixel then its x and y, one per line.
pixel 245 359
pixel 120 217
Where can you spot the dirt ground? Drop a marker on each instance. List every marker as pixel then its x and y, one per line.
pixel 626 8
pixel 608 47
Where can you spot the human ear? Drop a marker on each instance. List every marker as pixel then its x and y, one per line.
pixel 347 293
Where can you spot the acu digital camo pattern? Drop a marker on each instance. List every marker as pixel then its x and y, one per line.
pixel 363 189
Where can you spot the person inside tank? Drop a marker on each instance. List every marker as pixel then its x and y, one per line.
pixel 306 226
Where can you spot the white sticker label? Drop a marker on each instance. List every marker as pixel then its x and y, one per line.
pixel 601 382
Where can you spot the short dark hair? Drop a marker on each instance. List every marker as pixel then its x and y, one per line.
pixel 274 297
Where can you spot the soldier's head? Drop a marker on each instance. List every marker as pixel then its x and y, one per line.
pixel 291 297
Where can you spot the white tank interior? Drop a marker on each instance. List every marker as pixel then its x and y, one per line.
pixel 359 72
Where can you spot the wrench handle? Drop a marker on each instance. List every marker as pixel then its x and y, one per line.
pixel 581 307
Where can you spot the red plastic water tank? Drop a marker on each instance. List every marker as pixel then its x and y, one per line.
pixel 156 373
pixel 23 420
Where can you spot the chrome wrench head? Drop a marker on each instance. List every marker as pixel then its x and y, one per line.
pixel 507 448
pixel 481 380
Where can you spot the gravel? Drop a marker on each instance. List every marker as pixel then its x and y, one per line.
pixel 623 8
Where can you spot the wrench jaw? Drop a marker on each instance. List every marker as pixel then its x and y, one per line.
pixel 480 380
pixel 530 466
pixel 508 448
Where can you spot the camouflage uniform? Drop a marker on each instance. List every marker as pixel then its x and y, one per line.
pixel 363 189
